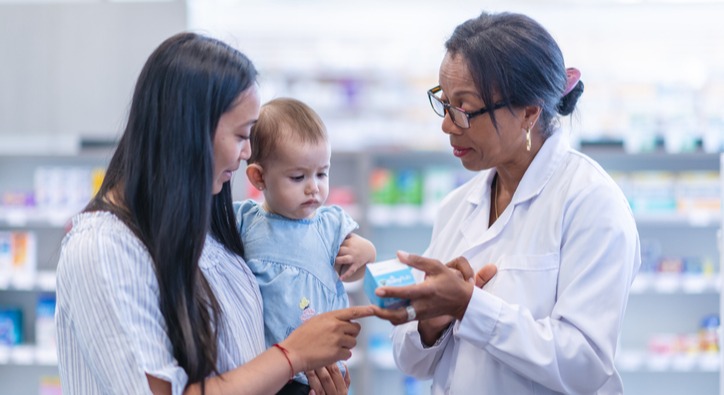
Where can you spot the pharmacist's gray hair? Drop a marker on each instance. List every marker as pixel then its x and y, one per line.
pixel 514 56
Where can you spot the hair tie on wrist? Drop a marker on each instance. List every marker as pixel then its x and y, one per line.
pixel 573 75
pixel 286 355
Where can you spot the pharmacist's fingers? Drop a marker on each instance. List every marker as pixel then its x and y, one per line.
pixel 347 378
pixel 428 265
pixel 394 316
pixel 411 292
pixel 461 265
pixel 314 382
pixel 485 274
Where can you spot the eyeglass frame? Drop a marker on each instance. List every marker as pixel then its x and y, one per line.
pixel 447 107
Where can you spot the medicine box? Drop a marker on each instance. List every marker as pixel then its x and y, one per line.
pixel 387 273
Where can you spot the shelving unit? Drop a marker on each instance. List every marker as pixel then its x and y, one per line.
pixel 28 367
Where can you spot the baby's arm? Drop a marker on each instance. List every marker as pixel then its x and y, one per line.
pixel 355 252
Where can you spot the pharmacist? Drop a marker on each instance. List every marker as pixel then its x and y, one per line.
pixel 554 224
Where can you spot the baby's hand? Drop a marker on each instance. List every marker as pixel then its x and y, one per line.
pixel 354 254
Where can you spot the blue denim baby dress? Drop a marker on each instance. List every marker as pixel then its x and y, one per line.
pixel 293 261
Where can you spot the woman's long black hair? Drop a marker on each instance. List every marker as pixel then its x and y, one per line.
pixel 161 178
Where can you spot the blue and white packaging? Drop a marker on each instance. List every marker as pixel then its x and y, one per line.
pixel 387 273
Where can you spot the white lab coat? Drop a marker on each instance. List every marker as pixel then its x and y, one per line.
pixel 567 250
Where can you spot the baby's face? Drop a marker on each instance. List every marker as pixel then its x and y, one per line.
pixel 296 178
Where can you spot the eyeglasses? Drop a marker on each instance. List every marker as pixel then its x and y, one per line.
pixel 460 117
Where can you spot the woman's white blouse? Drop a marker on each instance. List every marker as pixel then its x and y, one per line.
pixel 567 250
pixel 109 325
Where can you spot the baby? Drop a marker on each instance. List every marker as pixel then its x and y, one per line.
pixel 296 246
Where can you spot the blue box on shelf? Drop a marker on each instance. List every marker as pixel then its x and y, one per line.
pixel 11 326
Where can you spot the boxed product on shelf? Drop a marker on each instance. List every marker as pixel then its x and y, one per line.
pixel 11 326
pixel 698 193
pixel 45 340
pixel 50 385
pixel 437 183
pixel 383 194
pixel 6 259
pixel 383 189
pixel 408 184
pixel 66 187
pixel 410 196
pixel 709 334
pixel 652 192
pixel 24 260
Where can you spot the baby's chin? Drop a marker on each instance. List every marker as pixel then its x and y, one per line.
pixel 303 213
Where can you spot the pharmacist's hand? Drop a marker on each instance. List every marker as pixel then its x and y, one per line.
pixel 353 255
pixel 326 338
pixel 430 330
pixel 446 290
pixel 328 380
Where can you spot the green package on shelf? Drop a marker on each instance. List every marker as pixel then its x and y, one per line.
pixel 383 189
pixel 409 187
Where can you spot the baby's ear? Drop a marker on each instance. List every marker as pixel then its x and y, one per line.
pixel 255 174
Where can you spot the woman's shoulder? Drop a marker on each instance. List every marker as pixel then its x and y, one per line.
pixel 90 226
pixel 100 241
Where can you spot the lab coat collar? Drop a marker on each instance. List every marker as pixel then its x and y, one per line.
pixel 542 167
pixel 536 177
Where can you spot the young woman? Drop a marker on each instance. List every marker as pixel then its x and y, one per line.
pixel 153 295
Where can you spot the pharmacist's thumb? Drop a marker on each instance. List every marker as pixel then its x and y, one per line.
pixel 485 274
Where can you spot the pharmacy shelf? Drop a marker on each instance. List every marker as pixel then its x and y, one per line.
pixel 632 361
pixel 676 284
pixel 44 281
pixel 34 217
pixel 27 355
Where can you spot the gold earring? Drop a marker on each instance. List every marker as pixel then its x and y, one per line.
pixel 527 139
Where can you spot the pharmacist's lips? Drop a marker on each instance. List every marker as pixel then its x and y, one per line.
pixel 460 151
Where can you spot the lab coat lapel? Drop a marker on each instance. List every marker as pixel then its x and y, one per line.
pixel 475 228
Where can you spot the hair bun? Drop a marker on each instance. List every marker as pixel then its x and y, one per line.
pixel 568 102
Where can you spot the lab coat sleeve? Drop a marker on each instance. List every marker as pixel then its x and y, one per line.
pixel 411 356
pixel 572 350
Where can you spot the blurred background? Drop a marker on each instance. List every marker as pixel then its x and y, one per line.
pixel 651 114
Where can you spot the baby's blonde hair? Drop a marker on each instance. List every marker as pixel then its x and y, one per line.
pixel 284 118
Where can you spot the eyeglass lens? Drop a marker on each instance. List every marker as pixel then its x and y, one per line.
pixel 441 108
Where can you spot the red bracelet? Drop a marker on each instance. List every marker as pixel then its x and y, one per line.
pixel 286 355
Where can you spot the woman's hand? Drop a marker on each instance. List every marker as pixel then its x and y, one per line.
pixel 326 338
pixel 328 380
pixel 443 295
